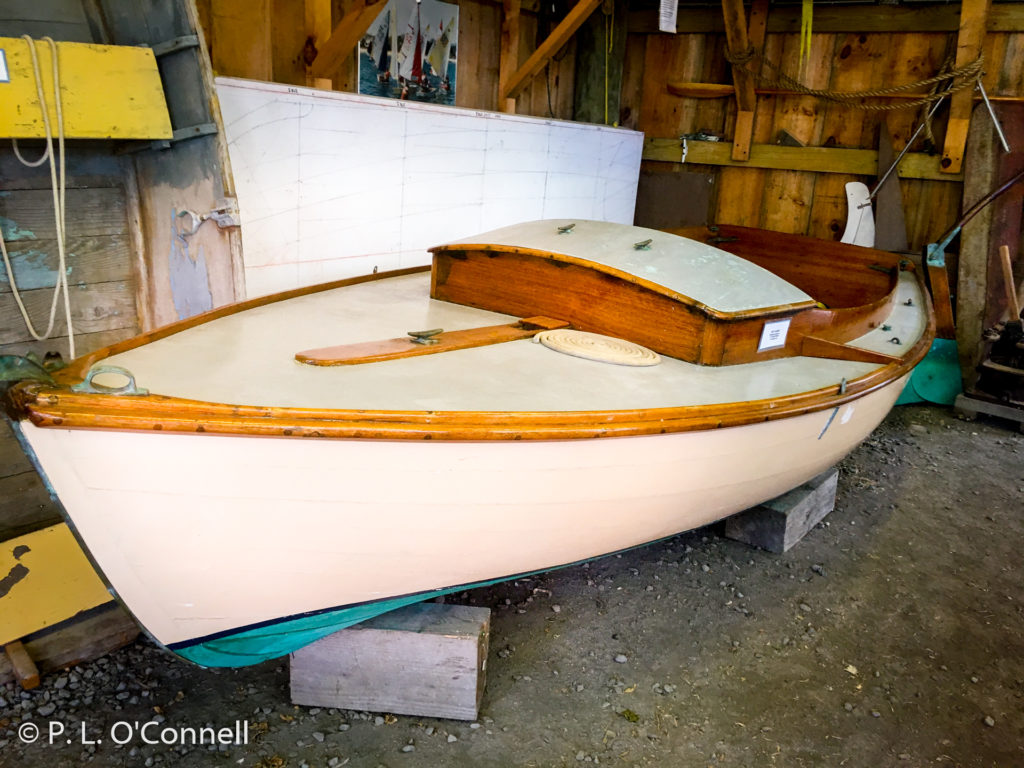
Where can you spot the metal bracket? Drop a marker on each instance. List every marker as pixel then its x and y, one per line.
pixel 175 45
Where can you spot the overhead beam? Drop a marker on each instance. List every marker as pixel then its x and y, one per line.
pixel 539 58
pixel 945 17
pixel 855 162
pixel 345 37
pixel 973 15
pixel 509 50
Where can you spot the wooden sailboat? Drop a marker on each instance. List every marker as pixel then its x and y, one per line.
pixel 277 469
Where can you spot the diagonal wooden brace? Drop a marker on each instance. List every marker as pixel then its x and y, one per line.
pixel 740 39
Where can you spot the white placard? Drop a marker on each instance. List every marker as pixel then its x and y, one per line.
pixel 774 335
pixel 5 76
pixel 667 11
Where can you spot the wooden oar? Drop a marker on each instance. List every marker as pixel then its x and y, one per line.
pixel 427 343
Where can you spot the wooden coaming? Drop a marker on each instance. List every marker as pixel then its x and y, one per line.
pixel 521 281
pixel 47 406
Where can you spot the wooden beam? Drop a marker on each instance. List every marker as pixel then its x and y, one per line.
pixel 318 30
pixel 346 35
pixel 746 101
pixel 241 42
pixel 722 90
pixel 1003 17
pixel 509 50
pixel 855 162
pixel 973 16
pixel 558 37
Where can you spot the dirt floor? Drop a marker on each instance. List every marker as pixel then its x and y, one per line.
pixel 892 635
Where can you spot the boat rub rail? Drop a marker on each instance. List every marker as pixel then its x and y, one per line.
pixel 49 407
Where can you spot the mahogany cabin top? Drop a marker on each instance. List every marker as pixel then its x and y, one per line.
pixel 770 297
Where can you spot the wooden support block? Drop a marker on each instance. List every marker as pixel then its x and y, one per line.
pixel 426 659
pixel 83 638
pixel 780 523
pixel 25 671
pixel 967 407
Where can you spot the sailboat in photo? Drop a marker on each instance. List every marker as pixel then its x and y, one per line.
pixel 382 49
pixel 439 53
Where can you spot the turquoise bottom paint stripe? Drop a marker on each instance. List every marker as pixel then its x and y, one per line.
pixel 281 638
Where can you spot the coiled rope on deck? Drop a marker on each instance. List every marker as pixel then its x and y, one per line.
pixel 594 346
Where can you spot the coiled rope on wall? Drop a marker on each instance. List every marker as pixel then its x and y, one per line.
pixel 58 188
pixel 956 79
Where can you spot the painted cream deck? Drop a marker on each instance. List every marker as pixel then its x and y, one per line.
pixel 248 359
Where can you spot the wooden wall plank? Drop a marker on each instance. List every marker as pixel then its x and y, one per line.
pixel 632 81
pixel 28 214
pixel 241 38
pixel 84 343
pixel 96 307
pixel 479 29
pixel 857 58
pixel 288 39
pixel 788 194
pixel 105 258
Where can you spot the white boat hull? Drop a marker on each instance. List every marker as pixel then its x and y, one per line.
pixel 208 534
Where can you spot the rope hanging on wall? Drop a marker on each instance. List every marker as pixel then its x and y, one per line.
pixel 58 188
pixel 956 79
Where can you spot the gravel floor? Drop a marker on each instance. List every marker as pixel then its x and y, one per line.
pixel 891 636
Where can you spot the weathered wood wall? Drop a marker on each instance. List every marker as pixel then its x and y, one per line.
pixel 843 60
pixel 266 40
pixel 128 270
pixel 100 262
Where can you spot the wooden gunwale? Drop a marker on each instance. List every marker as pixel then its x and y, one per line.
pixel 656 288
pixel 47 406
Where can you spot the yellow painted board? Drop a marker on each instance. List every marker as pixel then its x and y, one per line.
pixel 45 578
pixel 107 91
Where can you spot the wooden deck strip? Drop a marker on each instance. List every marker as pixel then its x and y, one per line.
pixel 442 341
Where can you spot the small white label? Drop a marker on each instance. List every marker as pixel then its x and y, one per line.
pixel 5 76
pixel 667 11
pixel 774 335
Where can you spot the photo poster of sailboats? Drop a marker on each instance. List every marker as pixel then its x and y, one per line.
pixel 425 34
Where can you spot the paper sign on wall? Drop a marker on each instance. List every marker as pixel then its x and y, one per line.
pixel 774 335
pixel 5 76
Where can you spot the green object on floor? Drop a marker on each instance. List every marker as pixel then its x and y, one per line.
pixel 936 379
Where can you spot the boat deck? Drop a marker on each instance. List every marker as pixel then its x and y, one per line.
pixel 248 359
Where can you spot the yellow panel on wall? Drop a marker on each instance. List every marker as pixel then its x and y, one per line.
pixel 45 578
pixel 107 91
